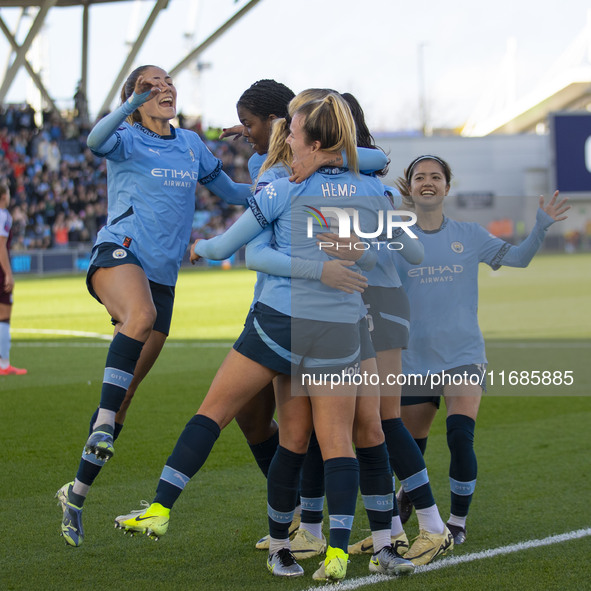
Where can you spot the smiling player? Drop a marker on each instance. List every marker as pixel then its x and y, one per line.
pixel 152 170
pixel 444 334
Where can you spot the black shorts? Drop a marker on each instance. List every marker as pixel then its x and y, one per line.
pixel 430 388
pixel 293 345
pixel 107 255
pixel 388 311
pixel 366 345
pixel 325 348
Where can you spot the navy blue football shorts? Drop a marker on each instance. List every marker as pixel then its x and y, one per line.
pixel 366 345
pixel 419 389
pixel 294 345
pixel 388 309
pixel 266 338
pixel 324 348
pixel 109 254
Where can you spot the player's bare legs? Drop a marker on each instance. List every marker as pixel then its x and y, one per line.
pixel 125 292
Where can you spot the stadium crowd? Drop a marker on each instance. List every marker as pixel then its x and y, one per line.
pixel 59 188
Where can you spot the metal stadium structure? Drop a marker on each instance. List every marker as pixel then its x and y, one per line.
pixel 20 51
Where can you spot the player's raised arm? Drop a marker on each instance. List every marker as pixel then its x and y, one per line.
pixel 100 138
pixel 521 255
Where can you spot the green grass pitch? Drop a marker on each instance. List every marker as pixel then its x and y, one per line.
pixel 532 443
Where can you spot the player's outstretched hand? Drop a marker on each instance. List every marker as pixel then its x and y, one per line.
pixel 553 209
pixel 335 274
pixel 194 257
pixel 235 132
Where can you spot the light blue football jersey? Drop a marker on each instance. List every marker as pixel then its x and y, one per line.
pixel 294 210
pixel 255 162
pixel 266 236
pixel 443 294
pixel 369 159
pixel 151 195
pixel 385 273
pixel 395 196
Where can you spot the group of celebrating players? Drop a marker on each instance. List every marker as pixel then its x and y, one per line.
pixel 326 304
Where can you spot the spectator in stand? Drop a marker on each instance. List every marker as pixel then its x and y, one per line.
pixel 60 231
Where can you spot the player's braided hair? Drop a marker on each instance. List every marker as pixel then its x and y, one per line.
pixel 265 98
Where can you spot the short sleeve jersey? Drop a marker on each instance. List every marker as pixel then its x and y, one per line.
pixel 443 294
pixel 255 162
pixel 151 195
pixel 291 208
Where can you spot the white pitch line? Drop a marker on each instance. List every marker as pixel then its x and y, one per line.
pixel 70 344
pixel 455 560
pixel 65 333
pixel 102 337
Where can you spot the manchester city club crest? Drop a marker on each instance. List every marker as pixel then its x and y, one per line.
pixel 119 253
pixel 457 247
pixel 192 154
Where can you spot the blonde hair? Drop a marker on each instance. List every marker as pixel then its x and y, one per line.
pixel 310 94
pixel 329 121
pixel 279 151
